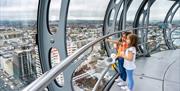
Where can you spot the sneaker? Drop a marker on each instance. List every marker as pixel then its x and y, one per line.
pixel 125 88
pixel 122 83
pixel 117 80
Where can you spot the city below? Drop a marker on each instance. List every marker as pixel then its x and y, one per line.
pixel 19 58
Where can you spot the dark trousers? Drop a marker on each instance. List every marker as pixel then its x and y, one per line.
pixel 122 70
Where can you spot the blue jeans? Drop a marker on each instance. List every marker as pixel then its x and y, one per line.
pixel 130 79
pixel 122 70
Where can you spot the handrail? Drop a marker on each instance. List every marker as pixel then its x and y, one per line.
pixel 43 81
pixel 109 63
pixel 101 77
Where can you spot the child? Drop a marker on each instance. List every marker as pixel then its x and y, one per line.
pixel 121 47
pixel 129 59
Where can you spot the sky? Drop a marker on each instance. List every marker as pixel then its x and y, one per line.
pixel 18 9
pixel 79 9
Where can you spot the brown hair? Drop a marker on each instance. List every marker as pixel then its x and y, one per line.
pixel 126 33
pixel 120 40
pixel 133 40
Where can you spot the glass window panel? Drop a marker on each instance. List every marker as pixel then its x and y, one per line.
pixel 176 19
pixel 20 63
pixel 117 1
pixel 118 18
pixel 111 17
pixel 88 73
pixel 158 11
pixel 54 12
pixel 132 10
pixel 85 20
pixel 86 10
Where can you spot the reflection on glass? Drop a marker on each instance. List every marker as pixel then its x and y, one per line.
pixel 20 63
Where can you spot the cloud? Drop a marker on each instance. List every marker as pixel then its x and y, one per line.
pixel 87 10
pixel 159 9
pixel 18 9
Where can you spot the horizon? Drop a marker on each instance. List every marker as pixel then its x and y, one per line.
pixel 82 20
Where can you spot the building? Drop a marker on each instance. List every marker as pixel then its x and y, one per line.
pixel 71 47
pixel 23 65
pixel 10 36
pixel 7 63
pixel 55 59
pixel 38 64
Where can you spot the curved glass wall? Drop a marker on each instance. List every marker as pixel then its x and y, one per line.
pixel 19 58
pixel 156 18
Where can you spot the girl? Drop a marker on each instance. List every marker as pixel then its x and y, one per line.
pixel 129 59
pixel 121 47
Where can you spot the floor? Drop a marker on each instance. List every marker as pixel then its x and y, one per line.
pixel 160 72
